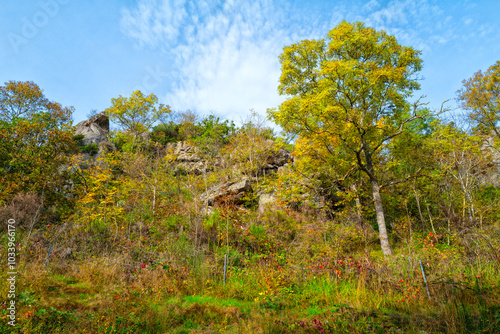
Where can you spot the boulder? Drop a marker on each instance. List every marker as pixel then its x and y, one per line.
pixel 490 173
pixel 66 254
pixel 94 130
pixel 267 201
pixel 277 161
pixel 281 157
pixel 232 191
pixel 196 168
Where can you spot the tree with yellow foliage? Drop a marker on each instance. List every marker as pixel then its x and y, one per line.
pixel 480 95
pixel 138 113
pixel 36 139
pixel 348 93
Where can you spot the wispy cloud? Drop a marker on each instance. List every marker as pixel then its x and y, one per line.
pixel 154 22
pixel 418 23
pixel 226 51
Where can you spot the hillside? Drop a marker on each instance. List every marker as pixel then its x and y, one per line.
pixel 368 213
pixel 144 247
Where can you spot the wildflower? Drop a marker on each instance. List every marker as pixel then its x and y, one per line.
pixel 143 265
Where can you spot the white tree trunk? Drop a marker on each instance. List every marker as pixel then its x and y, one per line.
pixel 379 210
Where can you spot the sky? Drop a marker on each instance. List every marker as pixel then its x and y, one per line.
pixel 221 56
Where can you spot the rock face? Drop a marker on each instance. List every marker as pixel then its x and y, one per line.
pixel 232 191
pixel 491 174
pixel 94 130
pixel 277 161
pixel 186 153
pixel 281 158
pixel 189 159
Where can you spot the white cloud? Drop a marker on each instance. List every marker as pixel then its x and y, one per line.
pixel 418 23
pixel 154 21
pixel 371 5
pixel 226 51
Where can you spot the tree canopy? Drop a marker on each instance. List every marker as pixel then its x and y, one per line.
pixel 480 95
pixel 138 113
pixel 348 94
pixel 35 139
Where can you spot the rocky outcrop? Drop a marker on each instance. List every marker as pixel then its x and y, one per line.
pixel 228 192
pixel 189 159
pixel 277 161
pixel 280 158
pixel 490 175
pixel 186 153
pixel 94 130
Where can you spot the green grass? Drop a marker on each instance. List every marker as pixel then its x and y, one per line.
pixel 171 281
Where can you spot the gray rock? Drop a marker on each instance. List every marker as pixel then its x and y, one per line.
pixel 186 157
pixel 281 157
pixel 277 160
pixel 196 168
pixel 67 254
pixel 267 201
pixel 490 173
pixel 190 160
pixel 183 147
pixel 232 191
pixel 94 130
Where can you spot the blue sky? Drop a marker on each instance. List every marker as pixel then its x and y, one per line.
pixel 221 56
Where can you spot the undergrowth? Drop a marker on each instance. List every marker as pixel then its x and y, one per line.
pixel 314 276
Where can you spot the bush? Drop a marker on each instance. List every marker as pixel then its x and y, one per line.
pixel 166 133
pixel 91 149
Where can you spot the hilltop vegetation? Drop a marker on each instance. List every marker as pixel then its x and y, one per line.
pixel 386 219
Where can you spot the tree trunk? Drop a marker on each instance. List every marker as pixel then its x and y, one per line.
pixel 358 204
pixel 377 202
pixel 379 209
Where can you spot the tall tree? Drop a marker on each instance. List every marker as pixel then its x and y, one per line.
pixel 480 95
pixel 36 138
pixel 20 99
pixel 349 93
pixel 138 113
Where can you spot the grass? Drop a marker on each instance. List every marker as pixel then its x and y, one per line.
pixel 280 292
pixel 287 272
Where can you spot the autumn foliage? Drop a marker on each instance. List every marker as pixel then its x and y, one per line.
pixel 36 139
pixel 136 248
